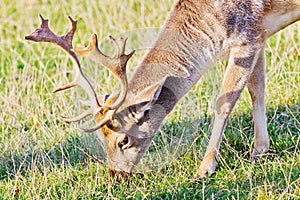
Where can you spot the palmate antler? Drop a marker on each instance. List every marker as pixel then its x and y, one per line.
pixel 116 64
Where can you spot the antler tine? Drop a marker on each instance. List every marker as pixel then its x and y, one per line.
pixel 120 70
pixel 116 64
pixel 104 121
pixel 44 34
pixel 79 117
pixel 119 45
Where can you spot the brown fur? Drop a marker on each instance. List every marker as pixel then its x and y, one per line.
pixel 196 34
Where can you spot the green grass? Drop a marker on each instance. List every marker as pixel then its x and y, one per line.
pixel 44 158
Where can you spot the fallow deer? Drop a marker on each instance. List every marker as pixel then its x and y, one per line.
pixel 196 34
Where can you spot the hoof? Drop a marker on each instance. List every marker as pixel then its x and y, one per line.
pixel 256 154
pixel 207 167
pixel 120 175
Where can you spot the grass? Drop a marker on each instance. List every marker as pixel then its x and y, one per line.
pixel 44 158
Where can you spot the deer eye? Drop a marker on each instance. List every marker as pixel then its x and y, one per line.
pixel 113 125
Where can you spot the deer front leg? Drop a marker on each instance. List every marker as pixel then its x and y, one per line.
pixel 256 88
pixel 240 65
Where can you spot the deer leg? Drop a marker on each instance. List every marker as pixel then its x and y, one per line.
pixel 241 63
pixel 256 88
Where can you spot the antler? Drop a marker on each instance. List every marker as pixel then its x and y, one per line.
pixel 117 64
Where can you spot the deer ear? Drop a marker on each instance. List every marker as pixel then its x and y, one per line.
pixel 150 93
pixel 148 96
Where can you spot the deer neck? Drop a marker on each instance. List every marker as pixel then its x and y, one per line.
pixel 188 44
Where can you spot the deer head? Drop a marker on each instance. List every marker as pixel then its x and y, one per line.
pixel 126 129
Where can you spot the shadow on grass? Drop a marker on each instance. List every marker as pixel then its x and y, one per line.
pixel 178 147
pixel 276 174
pixel 75 151
pixel 283 128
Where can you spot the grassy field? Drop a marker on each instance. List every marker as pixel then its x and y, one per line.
pixel 43 158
